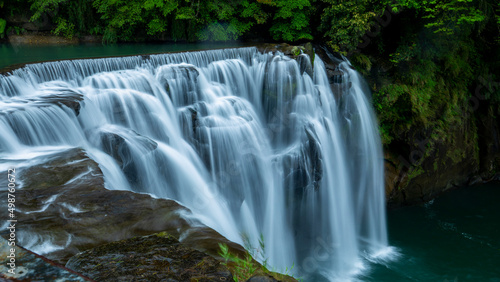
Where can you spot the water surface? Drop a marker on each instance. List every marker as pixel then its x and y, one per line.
pixel 20 54
pixel 455 237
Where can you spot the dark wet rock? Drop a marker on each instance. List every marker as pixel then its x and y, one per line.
pixel 303 167
pixel 6 71
pixel 59 97
pixel 335 76
pixel 299 53
pixel 32 39
pixel 262 278
pixel 29 266
pixel 418 176
pixel 287 49
pixel 339 83
pixel 189 121
pixel 22 20
pixel 298 180
pixel 184 80
pixel 305 65
pixel 67 97
pixel 120 149
pixel 309 50
pixel 159 257
pixel 64 203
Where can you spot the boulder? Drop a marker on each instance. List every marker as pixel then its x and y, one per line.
pixel 305 65
pixel 120 144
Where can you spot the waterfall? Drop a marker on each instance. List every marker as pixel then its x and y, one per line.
pixel 256 145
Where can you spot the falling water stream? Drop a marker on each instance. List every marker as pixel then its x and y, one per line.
pixel 256 145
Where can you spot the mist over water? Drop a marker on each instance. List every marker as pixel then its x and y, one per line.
pixel 256 145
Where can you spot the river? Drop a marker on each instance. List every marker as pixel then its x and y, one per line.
pixel 21 54
pixel 455 237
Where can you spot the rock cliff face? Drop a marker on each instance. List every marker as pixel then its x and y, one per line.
pixel 427 162
pixel 424 173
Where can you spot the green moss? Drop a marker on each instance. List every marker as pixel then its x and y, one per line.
pixel 244 268
pixel 414 172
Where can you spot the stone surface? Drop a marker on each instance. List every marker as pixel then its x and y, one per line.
pixel 28 266
pixel 65 208
pixel 41 40
pixel 55 96
pixel 262 278
pixel 158 257
pixel 183 79
pixel 121 149
pixel 423 173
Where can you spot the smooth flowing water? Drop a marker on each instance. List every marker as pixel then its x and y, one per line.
pixel 254 144
pixel 455 237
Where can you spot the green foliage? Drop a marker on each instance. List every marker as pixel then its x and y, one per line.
pixel 344 23
pixel 40 7
pixel 64 28
pixel 433 70
pixel 260 252
pixel 70 18
pixel 362 60
pixel 291 20
pixel 242 269
pixel 3 24
pixel 15 29
pixel 223 21
pixel 447 16
pixel 126 18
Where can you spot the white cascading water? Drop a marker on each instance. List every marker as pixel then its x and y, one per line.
pixel 252 143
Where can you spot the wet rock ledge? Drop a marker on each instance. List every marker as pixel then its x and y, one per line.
pixel 65 213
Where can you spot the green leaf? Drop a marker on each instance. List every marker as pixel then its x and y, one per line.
pixel 3 24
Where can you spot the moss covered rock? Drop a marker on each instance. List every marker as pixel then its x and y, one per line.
pixel 29 266
pixel 159 257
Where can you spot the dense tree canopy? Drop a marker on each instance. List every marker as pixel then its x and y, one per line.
pixel 341 23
